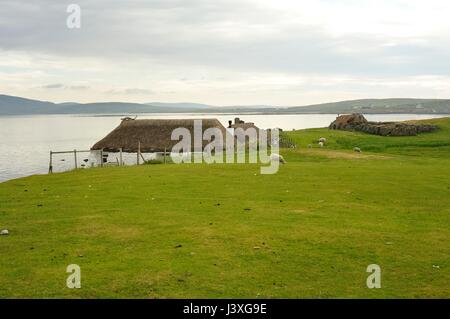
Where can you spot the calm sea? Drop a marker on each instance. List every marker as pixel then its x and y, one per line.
pixel 25 141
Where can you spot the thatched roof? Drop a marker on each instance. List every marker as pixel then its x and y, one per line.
pixel 153 135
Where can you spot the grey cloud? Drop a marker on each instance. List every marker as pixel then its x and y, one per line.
pixel 53 86
pixel 130 91
pixel 78 87
pixel 175 32
pixel 62 86
pixel 137 91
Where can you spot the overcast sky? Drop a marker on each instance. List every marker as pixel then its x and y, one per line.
pixel 226 52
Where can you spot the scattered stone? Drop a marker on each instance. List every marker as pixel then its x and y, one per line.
pixel 256 247
pixel 247 209
pixel 39 205
pixel 436 266
pixel 178 246
pixel 4 232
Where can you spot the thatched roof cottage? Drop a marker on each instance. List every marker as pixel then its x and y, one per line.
pixel 152 135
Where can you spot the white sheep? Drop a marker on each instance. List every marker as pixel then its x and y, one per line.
pixel 277 158
pixel 321 144
pixel 323 140
pixel 357 149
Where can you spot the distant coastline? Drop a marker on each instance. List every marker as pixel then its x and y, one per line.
pixel 11 105
pixel 212 114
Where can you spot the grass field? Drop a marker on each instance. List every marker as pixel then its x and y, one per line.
pixel 225 231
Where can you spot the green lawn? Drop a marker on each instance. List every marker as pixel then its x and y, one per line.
pixel 200 231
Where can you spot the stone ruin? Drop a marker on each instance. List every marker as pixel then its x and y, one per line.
pixel 357 122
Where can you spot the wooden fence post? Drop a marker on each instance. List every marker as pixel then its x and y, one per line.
pixel 139 153
pixel 165 150
pixel 75 157
pixel 50 166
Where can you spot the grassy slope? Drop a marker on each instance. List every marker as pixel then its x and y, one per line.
pixel 317 224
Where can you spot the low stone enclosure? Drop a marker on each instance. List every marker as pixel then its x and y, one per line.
pixel 357 122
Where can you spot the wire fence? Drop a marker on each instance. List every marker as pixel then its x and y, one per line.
pixel 74 159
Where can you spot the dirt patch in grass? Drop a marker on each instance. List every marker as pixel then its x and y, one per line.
pixel 340 154
pixel 110 230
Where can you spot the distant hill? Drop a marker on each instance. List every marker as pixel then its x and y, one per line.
pixel 206 107
pixel 112 107
pixel 11 105
pixel 190 106
pixel 370 106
